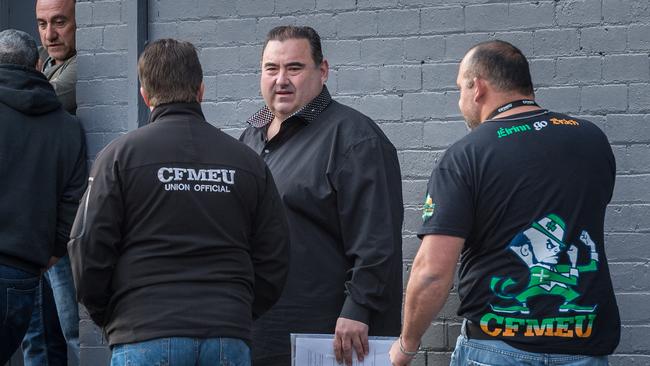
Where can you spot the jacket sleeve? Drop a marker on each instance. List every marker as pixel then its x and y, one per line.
pixel 69 200
pixel 369 199
pixel 269 248
pixel 95 236
pixel 65 86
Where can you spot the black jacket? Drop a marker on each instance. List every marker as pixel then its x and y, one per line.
pixel 181 233
pixel 42 170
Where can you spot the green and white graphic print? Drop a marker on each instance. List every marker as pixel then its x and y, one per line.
pixel 540 247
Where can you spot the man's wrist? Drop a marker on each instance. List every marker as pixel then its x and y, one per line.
pixel 410 349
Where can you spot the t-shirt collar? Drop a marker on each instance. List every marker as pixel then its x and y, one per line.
pixel 308 113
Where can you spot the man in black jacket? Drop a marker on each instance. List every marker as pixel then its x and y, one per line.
pixel 340 181
pixel 43 170
pixel 181 239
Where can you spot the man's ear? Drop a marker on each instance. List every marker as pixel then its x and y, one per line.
pixel 145 97
pixel 324 70
pixel 480 89
pixel 199 94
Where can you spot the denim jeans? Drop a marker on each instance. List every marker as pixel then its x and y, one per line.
pixel 180 351
pixel 17 293
pixel 478 352
pixel 43 345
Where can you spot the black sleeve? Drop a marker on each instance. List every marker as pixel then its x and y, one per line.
pixel 369 200
pixel 269 248
pixel 69 200
pixel 448 207
pixel 95 236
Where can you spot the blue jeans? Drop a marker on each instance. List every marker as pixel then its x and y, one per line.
pixel 478 352
pixel 17 293
pixel 43 344
pixel 179 351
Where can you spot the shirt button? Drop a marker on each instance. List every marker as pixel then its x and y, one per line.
pixel 266 151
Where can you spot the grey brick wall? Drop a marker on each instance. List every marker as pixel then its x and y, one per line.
pixel 396 60
pixel 102 108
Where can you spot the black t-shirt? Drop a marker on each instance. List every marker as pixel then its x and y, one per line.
pixel 528 193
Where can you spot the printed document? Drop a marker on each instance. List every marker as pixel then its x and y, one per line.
pixel 317 350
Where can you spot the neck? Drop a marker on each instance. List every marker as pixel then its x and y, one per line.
pixel 274 128
pixel 491 107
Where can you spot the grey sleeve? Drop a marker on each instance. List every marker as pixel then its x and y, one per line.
pixel 65 85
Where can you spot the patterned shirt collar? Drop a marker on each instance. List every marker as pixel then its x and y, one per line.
pixel 308 113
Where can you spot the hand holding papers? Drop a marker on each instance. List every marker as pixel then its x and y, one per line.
pixel 316 350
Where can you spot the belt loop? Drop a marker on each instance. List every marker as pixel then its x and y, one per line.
pixel 463 328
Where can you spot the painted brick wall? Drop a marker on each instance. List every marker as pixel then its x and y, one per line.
pixel 396 60
pixel 102 109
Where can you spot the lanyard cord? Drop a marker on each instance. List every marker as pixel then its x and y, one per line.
pixel 513 104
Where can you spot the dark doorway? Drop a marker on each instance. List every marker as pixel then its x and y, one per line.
pixel 19 14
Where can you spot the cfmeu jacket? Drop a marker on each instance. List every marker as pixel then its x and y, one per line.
pixel 181 233
pixel 42 170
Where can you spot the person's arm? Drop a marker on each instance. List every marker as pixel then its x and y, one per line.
pixel 368 185
pixel 269 248
pixel 95 237
pixel 432 276
pixel 69 200
pixel 65 86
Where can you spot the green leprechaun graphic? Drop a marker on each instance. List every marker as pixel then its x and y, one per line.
pixel 539 247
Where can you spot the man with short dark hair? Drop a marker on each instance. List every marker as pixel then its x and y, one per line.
pixel 43 170
pixel 523 198
pixel 340 181
pixel 181 239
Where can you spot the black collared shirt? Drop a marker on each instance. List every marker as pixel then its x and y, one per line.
pixel 339 178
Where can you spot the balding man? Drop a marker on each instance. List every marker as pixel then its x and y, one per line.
pixel 523 198
pixel 45 341
pixel 57 26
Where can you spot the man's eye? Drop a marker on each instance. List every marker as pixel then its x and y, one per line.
pixel 549 245
pixel 59 23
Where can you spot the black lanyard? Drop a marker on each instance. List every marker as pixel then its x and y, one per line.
pixel 513 104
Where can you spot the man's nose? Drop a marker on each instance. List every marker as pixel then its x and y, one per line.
pixel 282 78
pixel 50 33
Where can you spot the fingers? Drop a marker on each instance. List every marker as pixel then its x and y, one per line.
pixel 347 351
pixel 350 335
pixel 343 349
pixel 365 344
pixel 359 347
pixel 338 349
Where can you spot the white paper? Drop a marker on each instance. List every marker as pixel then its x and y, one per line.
pixel 317 350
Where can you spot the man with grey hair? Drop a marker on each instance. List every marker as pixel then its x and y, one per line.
pixel 56 315
pixel 43 169
pixel 57 27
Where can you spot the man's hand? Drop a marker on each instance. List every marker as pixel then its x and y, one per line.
pixel 50 263
pixel 397 357
pixel 350 334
